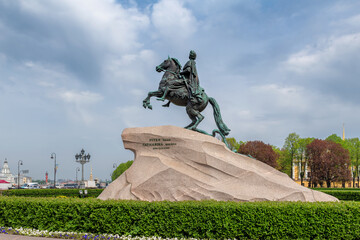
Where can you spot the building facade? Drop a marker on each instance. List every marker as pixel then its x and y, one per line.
pixel 5 173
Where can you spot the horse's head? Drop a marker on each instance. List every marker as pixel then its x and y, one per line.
pixel 169 64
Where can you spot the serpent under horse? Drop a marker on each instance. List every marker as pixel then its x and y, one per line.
pixel 174 88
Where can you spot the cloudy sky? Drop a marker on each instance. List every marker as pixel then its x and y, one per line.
pixel 73 73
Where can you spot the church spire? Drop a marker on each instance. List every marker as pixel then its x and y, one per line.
pixel 91 175
pixel 343 136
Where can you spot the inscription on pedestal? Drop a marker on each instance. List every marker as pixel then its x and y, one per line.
pixel 159 143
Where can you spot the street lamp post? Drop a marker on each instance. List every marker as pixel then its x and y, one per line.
pixel 114 166
pixel 77 170
pixel 53 156
pixel 19 163
pixel 82 158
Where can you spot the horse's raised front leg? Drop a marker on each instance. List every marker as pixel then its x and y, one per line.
pixel 162 98
pixel 146 102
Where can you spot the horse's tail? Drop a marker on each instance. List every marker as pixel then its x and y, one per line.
pixel 218 119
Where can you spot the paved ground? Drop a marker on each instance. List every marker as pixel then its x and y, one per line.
pixel 19 237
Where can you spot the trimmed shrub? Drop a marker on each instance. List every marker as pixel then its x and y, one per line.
pixel 336 189
pixel 196 219
pixel 50 192
pixel 346 195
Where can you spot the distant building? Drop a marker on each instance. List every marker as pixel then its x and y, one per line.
pixel 4 185
pixel 5 173
pixel 90 183
pixel 23 179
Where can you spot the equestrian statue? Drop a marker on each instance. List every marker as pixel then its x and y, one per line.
pixel 182 88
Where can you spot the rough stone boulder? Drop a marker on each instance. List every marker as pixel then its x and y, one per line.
pixel 176 164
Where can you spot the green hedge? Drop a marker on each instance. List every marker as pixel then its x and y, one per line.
pixel 50 192
pixel 349 195
pixel 336 189
pixel 205 219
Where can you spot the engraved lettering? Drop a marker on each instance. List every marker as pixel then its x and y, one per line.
pixel 154 140
pixel 159 143
pixel 170 144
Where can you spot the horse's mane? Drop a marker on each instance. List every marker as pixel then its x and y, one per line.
pixel 177 63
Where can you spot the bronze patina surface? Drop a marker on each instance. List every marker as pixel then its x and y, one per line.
pixel 182 88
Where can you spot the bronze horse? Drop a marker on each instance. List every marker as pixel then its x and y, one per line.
pixel 174 88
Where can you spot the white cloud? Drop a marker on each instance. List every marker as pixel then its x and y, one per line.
pixel 34 7
pixel 173 21
pixel 81 98
pixel 130 68
pixel 109 24
pixel 79 105
pixel 353 21
pixel 131 116
pixel 329 68
pixel 100 21
pixel 285 98
pixel 82 35
pixel 46 84
pixel 138 92
pixel 2 58
pixel 325 54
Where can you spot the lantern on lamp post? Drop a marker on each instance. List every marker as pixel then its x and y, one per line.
pixel 82 158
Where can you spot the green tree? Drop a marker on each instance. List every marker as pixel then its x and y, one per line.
pixel 120 169
pixel 302 157
pixel 336 139
pixel 353 145
pixel 291 145
pixel 283 164
pixel 284 161
pixel 233 144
